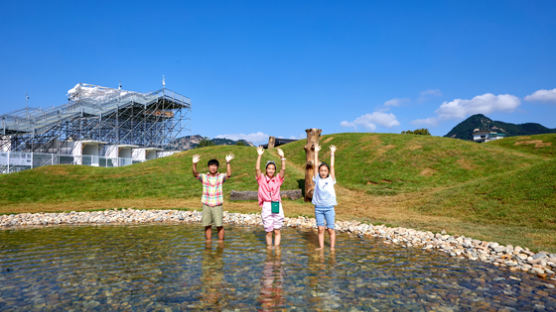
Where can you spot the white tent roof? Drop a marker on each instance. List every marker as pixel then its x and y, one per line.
pixel 94 93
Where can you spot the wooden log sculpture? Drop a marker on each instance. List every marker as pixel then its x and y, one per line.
pixel 271 142
pixel 313 137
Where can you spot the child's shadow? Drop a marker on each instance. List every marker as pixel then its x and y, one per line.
pixel 301 185
pixel 312 238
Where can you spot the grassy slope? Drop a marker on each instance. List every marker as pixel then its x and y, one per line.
pixel 540 144
pixel 516 207
pixel 525 197
pixel 424 182
pixel 388 164
pixel 164 178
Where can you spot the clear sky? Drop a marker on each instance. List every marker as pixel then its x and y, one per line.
pixel 253 68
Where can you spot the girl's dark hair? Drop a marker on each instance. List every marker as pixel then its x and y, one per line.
pixel 327 166
pixel 213 162
pixel 270 162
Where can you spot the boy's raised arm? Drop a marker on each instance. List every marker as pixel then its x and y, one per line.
pixel 283 159
pixel 260 151
pixel 332 172
pixel 229 158
pixel 316 165
pixel 195 160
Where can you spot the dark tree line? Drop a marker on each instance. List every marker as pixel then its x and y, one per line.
pixel 423 131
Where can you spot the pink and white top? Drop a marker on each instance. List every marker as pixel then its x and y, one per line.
pixel 269 188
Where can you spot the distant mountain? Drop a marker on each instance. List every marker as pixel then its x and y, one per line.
pixel 464 130
pixel 224 141
pixel 191 141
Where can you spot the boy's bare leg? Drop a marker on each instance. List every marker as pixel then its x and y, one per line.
pixel 208 232
pixel 269 239
pixel 220 233
pixel 332 234
pixel 277 237
pixel 321 237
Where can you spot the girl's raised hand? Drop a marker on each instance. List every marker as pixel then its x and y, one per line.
pixel 260 150
pixel 280 152
pixel 229 157
pixel 317 148
pixel 332 148
pixel 196 158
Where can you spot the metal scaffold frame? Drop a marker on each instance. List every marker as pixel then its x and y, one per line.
pixel 147 120
pixel 94 114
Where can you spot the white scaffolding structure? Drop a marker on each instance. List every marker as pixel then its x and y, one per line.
pixel 95 113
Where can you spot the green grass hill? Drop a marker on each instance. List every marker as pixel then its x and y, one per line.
pixel 388 164
pixel 540 144
pixel 503 190
pixel 168 177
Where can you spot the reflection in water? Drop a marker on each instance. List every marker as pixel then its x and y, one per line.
pixel 272 281
pixel 169 268
pixel 322 275
pixel 212 277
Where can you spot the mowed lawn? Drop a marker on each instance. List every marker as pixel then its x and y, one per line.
pixel 503 191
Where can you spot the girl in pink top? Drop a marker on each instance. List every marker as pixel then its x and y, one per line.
pixel 269 191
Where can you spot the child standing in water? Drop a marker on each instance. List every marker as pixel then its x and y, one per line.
pixel 269 196
pixel 324 197
pixel 212 198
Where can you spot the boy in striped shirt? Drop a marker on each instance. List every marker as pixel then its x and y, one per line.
pixel 212 198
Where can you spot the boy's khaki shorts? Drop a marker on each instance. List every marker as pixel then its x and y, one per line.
pixel 212 215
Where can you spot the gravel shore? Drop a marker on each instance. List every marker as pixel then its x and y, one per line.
pixel 542 264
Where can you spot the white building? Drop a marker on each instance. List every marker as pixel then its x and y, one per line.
pixel 145 153
pixel 87 152
pixel 481 136
pixel 119 154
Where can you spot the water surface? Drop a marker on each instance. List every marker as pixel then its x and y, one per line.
pixel 170 268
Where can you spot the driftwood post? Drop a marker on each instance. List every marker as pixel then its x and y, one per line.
pixel 313 136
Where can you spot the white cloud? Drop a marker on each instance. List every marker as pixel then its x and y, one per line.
pixel 255 137
pixel 431 92
pixel 298 137
pixel 431 121
pixel 542 95
pixel 396 101
pixel 370 121
pixel 427 94
pixel 481 104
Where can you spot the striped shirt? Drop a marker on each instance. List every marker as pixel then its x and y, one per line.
pixel 212 189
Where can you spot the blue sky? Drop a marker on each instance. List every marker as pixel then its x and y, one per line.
pixel 258 68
